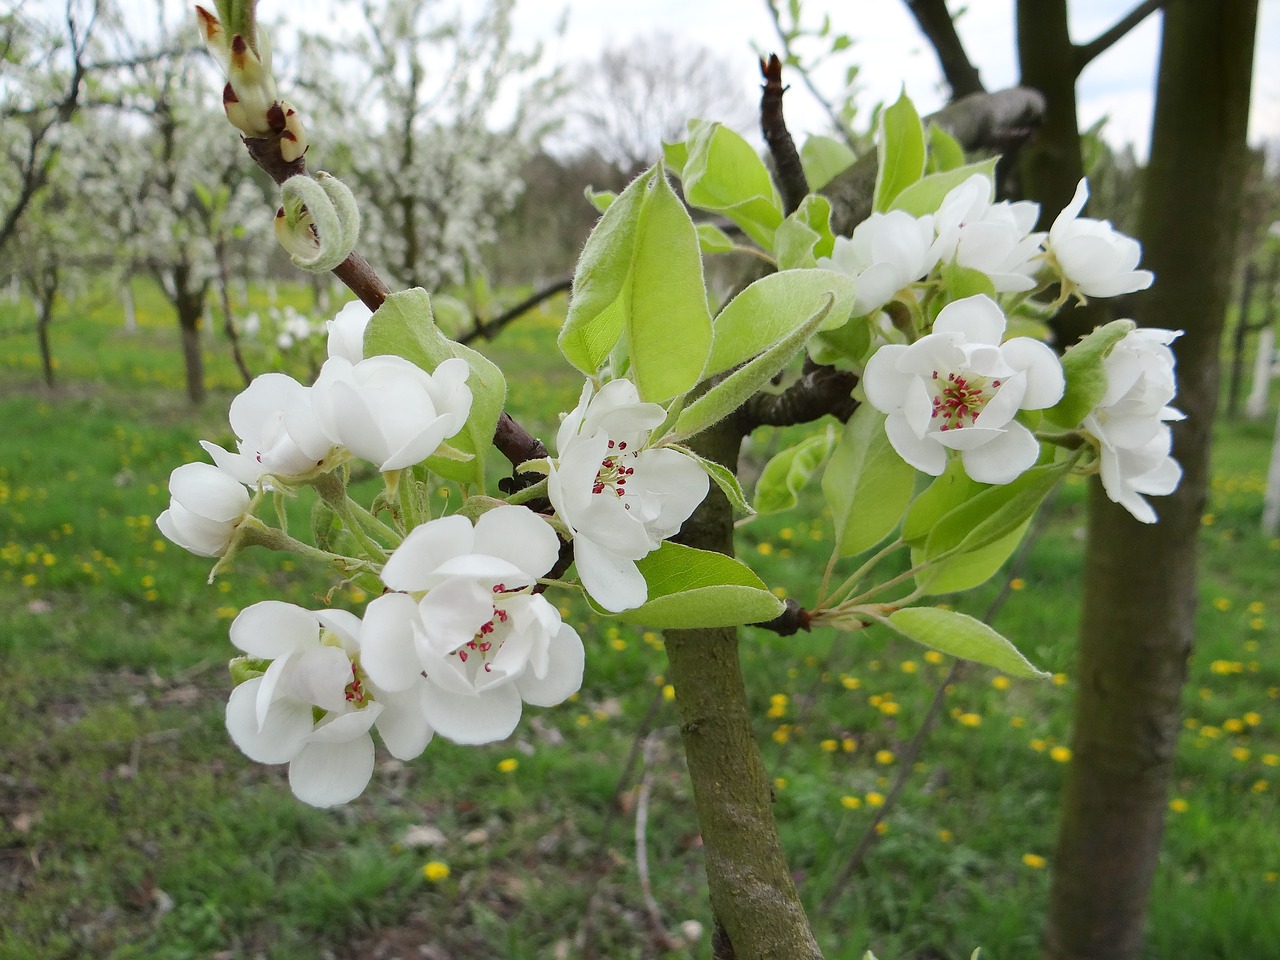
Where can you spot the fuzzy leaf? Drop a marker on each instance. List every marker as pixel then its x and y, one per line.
pixel 805 235
pixel 724 174
pixel 1086 376
pixel 945 152
pixel 866 483
pixel 900 150
pixel 714 240
pixel 926 194
pixel 786 474
pixel 722 477
pixel 823 158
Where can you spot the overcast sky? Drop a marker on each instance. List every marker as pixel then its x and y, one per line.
pixel 888 47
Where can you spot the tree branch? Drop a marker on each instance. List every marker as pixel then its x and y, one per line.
pixel 939 29
pixel 491 328
pixel 786 160
pixel 819 391
pixel 1086 53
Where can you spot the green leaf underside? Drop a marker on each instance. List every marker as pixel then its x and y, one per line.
pixel 926 194
pixel 789 471
pixel 962 636
pixel 900 151
pixel 805 235
pixel 945 152
pixel 773 308
pixel 993 513
pixel 823 158
pixel 714 240
pixel 734 390
pixel 723 173
pixel 968 570
pixel 723 478
pixel 640 275
pixel 866 484
pixel 691 589
pixel 404 326
pixel 1086 376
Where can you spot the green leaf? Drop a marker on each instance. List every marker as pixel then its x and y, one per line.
pixel 734 390
pixel 690 588
pixel 675 156
pixel 945 152
pixel 805 235
pixel 866 483
pixel 823 159
pixel 404 326
pixel 962 636
pixel 900 151
pixel 961 282
pixel 773 308
pixel 786 474
pixel 723 478
pixel 640 276
pixel 714 240
pixel 926 194
pixel 724 174
pixel 602 200
pixel 1086 376
pixel 968 570
pixel 950 489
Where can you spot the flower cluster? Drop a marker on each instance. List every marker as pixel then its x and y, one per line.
pixel 959 385
pixel 460 637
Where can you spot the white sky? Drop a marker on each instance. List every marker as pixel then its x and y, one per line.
pixel 888 47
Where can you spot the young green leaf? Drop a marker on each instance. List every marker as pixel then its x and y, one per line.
pixel 691 588
pixel 962 636
pixel 823 158
pixel 945 152
pixel 786 474
pixel 404 326
pixel 772 308
pixel 926 194
pixel 724 174
pixel 967 570
pixel 723 478
pixel 900 150
pixel 1086 377
pixel 714 240
pixel 866 483
pixel 805 235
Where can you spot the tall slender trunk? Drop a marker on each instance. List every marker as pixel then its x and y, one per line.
pixel 757 910
pixel 1140 581
pixel 44 317
pixel 228 318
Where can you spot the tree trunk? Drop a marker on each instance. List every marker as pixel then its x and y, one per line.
pixel 44 317
pixel 1140 581
pixel 757 910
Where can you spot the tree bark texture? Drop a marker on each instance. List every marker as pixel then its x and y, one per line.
pixel 752 894
pixel 1140 581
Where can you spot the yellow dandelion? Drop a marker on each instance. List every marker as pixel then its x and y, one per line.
pixel 1017 722
pixel 884 757
pixel 1060 679
pixel 1017 583
pixel 508 765
pixel 1232 725
pixel 1034 861
pixel 1257 606
pixel 1271 759
pixel 1191 723
pixel 764 549
pixel 970 719
pixel 781 592
pixel 889 708
pixel 782 734
pixel 1178 805
pixel 1038 745
pixel 1252 718
pixel 1208 520
pixel 583 720
pixel 786 533
pixel 1240 754
pixel 848 744
pixel 850 802
pixel 668 692
pixel 1221 603
pixel 1259 786
pixel 934 657
pixel 617 643
pixel 778 699
pixel 30 579
pixel 1257 623
pixel 1213 733
pixel 909 666
pixel 1000 682
pixel 882 828
pixel 850 683
pixel 780 783
pixel 945 836
pixel 830 746
pixel 875 799
pixel 1060 754
pixel 435 871
pixel 1271 877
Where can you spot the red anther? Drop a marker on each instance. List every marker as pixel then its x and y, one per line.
pixel 502 615
pixel 462 655
pixel 935 374
pixel 488 667
pixel 621 446
pixel 611 444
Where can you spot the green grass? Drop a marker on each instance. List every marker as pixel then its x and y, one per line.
pixel 131 828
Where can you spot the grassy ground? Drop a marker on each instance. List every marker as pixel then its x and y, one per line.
pixel 130 828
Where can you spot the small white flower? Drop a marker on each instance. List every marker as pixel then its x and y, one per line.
pixel 1131 421
pixel 277 431
pixel 205 507
pixel 619 499
pixel 467 620
pixel 390 411
pixel 346 332
pixel 1092 257
pixel 315 666
pixel 959 388
pixel 887 252
pixel 994 238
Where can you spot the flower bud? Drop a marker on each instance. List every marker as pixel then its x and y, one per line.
pixel 244 54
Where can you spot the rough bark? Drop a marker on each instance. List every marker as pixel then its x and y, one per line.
pixel 758 912
pixel 47 293
pixel 1140 581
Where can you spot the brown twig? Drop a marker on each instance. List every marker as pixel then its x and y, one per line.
pixel 936 23
pixel 789 622
pixel 819 390
pixel 491 328
pixel 786 159
pixel 1086 53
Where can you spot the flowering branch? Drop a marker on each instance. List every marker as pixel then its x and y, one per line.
pixel 786 159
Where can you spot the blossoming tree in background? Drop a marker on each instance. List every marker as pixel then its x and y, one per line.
pixel 917 333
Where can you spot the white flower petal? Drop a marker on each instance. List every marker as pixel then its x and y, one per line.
pixel 563 674
pixel 1003 458
pixel 474 718
pixel 411 567
pixel 923 453
pixel 272 628
pixel 403 722
pixel 519 536
pixel 326 774
pixel 613 581
pixel 279 739
pixel 387 650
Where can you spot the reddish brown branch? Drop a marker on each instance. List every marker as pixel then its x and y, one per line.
pixel 491 328
pixel 1086 53
pixel 786 159
pixel 939 29
pixel 819 391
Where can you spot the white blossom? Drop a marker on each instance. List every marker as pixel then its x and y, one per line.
pixel 277 431
pixel 390 411
pixel 315 668
pixel 887 252
pixel 1092 257
pixel 959 388
pixel 995 238
pixel 1131 421
pixel 346 331
pixel 467 619
pixel 619 499
pixel 205 507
